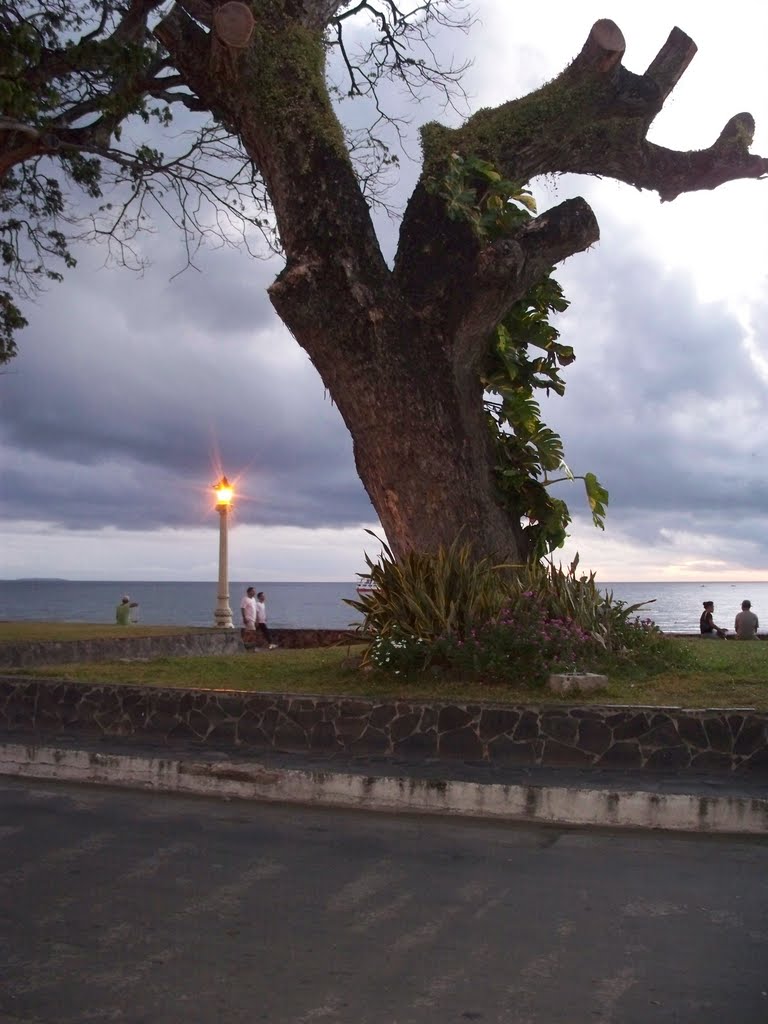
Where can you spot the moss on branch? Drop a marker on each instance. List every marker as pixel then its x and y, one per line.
pixel 593 119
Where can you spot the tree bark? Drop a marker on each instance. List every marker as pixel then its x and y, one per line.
pixel 400 350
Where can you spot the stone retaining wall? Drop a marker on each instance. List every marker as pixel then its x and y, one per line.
pixel 202 642
pixel 606 736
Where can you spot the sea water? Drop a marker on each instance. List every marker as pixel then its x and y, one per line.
pixel 674 607
pixel 294 605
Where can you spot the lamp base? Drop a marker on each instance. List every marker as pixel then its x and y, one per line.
pixel 222 617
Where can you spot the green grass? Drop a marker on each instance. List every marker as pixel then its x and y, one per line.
pixel 728 674
pixel 33 632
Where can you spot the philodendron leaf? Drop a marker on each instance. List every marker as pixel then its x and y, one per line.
pixel 597 496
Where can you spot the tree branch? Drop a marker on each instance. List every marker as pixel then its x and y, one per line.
pixel 133 25
pixel 508 267
pixel 200 10
pixel 603 49
pixel 317 14
pixel 669 64
pixel 671 173
pixel 91 53
pixel 593 119
pixel 180 35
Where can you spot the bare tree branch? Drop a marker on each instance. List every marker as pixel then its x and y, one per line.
pixel 396 47
pixel 601 129
pixel 669 64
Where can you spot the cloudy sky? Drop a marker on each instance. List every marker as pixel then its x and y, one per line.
pixel 132 393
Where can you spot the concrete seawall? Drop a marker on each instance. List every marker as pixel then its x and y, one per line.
pixel 193 644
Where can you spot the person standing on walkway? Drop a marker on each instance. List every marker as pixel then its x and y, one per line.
pixel 261 619
pixel 746 622
pixel 708 626
pixel 248 608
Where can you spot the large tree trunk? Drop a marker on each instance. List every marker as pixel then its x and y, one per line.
pixel 421 443
pixel 400 350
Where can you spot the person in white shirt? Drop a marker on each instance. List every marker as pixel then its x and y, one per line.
pixel 261 618
pixel 248 608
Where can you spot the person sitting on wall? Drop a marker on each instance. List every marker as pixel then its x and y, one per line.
pixel 707 625
pixel 123 611
pixel 746 622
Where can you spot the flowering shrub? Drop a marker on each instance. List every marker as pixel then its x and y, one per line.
pixel 524 644
pixel 400 653
pixel 441 611
pixel 527 642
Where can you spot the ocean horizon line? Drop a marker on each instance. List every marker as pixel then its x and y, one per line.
pixel 674 605
pixel 212 579
pixel 125 579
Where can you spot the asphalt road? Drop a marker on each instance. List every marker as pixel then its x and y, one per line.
pixel 150 909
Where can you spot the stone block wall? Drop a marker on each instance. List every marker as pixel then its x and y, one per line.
pixel 200 643
pixel 722 740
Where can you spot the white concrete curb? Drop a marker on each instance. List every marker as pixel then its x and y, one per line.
pixel 562 805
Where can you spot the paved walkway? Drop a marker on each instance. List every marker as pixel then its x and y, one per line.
pixel 683 801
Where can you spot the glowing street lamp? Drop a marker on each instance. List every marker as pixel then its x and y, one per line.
pixel 222 615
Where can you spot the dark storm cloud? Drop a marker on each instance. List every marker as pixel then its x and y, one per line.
pixel 663 403
pixel 129 390
pixel 223 292
pixel 133 391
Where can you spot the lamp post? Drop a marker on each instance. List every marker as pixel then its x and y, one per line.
pixel 222 615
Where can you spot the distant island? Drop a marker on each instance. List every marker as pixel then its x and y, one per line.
pixel 40 579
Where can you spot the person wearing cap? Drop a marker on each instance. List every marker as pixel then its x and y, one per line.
pixel 746 622
pixel 123 611
pixel 708 626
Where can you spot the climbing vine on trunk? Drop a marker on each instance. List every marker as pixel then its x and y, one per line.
pixel 527 450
